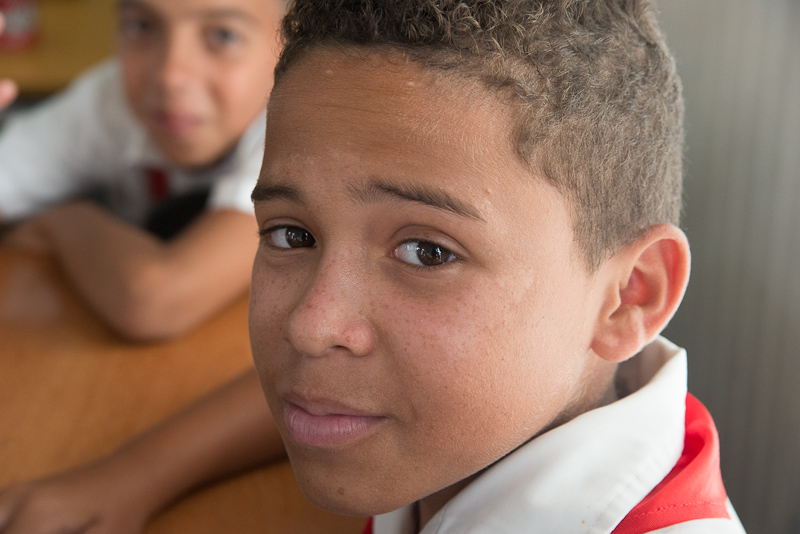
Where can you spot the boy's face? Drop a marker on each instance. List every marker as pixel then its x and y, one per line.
pixel 197 72
pixel 418 309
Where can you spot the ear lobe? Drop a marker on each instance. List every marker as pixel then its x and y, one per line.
pixel 644 285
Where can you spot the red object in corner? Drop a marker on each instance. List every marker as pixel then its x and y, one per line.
pixel 693 489
pixel 22 24
pixel 368 527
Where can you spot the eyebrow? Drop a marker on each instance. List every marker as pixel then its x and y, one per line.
pixel 377 191
pixel 222 12
pixel 133 4
pixel 265 193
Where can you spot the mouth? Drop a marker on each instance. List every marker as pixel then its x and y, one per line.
pixel 176 123
pixel 325 424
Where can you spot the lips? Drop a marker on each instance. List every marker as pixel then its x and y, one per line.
pixel 324 424
pixel 176 123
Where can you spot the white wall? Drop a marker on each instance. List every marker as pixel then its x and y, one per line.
pixel 740 63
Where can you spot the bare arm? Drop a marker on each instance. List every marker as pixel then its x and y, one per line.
pixel 8 92
pixel 143 287
pixel 228 431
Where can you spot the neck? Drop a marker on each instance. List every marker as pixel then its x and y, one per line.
pixel 427 507
pixel 602 393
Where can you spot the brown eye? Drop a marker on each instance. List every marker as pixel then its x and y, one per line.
pixel 424 253
pixel 290 237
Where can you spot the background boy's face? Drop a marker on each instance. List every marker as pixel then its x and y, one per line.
pixel 417 307
pixel 197 72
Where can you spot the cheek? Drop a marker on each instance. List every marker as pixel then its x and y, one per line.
pixel 488 370
pixel 135 72
pixel 268 302
pixel 241 92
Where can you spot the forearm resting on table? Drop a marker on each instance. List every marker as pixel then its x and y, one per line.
pixel 143 287
pixel 224 433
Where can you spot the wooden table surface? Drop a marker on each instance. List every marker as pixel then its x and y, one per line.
pixel 71 390
pixel 74 35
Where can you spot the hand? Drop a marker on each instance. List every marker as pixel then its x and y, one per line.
pixel 28 235
pixel 8 91
pixel 84 501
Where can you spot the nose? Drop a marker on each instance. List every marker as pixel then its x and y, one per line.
pixel 330 317
pixel 177 63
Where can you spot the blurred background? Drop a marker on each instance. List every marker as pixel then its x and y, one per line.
pixel 740 63
pixel 48 42
pixel 740 321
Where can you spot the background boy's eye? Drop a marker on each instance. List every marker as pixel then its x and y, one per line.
pixel 222 37
pixel 424 253
pixel 289 237
pixel 132 26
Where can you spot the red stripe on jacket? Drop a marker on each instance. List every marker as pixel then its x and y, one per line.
pixel 692 490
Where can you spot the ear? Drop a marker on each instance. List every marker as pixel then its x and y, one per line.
pixel 643 285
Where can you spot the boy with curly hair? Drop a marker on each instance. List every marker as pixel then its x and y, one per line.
pixel 469 245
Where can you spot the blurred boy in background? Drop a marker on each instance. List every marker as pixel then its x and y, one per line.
pixel 168 137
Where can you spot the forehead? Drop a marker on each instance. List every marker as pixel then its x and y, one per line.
pixel 412 118
pixel 252 11
pixel 337 121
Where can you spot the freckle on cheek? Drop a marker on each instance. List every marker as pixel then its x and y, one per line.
pixel 341 491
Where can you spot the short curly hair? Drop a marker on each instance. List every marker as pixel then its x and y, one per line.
pixel 600 105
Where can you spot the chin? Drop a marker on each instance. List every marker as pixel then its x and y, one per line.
pixel 188 151
pixel 189 157
pixel 345 493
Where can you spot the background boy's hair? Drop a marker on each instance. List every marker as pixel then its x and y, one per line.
pixel 599 101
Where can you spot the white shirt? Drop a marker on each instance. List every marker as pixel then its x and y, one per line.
pixel 86 138
pixel 586 475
